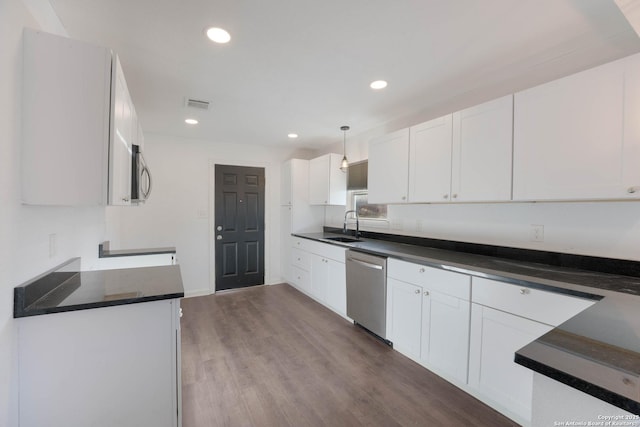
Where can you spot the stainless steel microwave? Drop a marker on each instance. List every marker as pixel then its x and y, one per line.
pixel 140 176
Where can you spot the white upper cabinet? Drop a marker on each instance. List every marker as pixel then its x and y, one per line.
pixel 389 168
pixel 460 157
pixel 482 152
pixel 578 138
pixel 327 183
pixel 286 183
pixel 78 124
pixel 430 161
pixel 298 215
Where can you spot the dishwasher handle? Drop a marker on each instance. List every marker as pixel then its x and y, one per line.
pixel 366 264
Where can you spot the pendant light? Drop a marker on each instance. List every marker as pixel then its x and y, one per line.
pixel 344 165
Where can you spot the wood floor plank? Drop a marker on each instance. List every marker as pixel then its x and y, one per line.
pixel 271 356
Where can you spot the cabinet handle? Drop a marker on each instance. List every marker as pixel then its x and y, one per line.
pixel 446 196
pixel 417 291
pixel 632 190
pixel 125 199
pixel 404 197
pixel 421 270
pixel 627 381
pixel 524 291
pixel 426 293
pixel 455 196
pixel 298 259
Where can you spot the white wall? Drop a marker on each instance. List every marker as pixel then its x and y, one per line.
pixel 25 230
pixel 610 229
pixel 177 213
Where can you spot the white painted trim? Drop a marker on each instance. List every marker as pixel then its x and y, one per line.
pixel 197 293
pixel 268 172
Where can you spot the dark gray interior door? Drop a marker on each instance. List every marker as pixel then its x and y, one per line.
pixel 239 226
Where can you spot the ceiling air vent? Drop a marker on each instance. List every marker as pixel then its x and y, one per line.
pixel 197 103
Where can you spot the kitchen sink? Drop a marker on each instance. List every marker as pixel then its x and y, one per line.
pixel 342 239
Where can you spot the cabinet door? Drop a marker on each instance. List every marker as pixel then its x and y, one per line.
pixel 430 161
pixel 120 144
pixel 404 317
pixel 389 168
pixel 66 88
pixel 571 140
pixel 482 152
pixel 90 367
pixel 286 192
pixel 337 181
pixel 337 287
pixel 301 279
pixel 319 180
pixel 319 277
pixel 495 337
pixel 445 333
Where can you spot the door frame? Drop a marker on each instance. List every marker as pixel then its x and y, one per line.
pixel 268 171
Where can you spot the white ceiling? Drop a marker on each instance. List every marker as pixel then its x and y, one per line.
pixel 305 66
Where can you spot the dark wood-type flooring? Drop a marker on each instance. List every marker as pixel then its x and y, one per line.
pixel 271 356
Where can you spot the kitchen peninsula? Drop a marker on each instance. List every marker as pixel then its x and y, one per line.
pixel 100 347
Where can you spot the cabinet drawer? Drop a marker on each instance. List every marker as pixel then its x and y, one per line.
pixel 434 279
pixel 327 250
pixel 542 306
pixel 301 259
pixel 300 243
pixel 301 278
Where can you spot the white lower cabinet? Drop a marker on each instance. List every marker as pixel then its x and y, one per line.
pixel 318 270
pixel 495 337
pixel 505 318
pixel 445 332
pixel 108 366
pixel 404 305
pixel 428 316
pixel 337 290
pixel 319 277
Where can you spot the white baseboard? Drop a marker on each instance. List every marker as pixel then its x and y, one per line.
pixel 197 293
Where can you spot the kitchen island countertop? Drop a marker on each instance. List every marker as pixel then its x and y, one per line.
pixel 66 288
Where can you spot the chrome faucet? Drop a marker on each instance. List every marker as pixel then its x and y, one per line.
pixel 344 226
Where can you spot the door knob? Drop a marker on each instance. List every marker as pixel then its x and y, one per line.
pixel 219 237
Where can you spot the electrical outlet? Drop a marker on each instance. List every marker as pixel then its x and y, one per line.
pixel 537 233
pixel 53 247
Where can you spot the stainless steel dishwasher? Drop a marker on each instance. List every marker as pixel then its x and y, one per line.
pixel 367 291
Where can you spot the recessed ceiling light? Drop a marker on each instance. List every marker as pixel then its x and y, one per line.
pixel 293 135
pixel 191 121
pixel 378 84
pixel 218 35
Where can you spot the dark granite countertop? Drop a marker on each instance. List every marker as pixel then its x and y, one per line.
pixel 597 351
pixel 105 252
pixel 66 288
